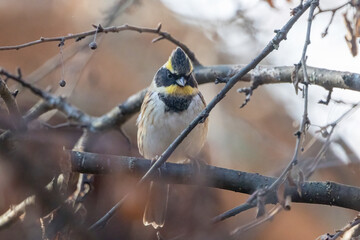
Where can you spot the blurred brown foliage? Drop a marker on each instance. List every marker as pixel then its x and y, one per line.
pixel 258 138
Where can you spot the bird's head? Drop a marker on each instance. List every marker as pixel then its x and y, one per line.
pixel 175 76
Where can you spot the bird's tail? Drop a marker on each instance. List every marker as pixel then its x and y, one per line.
pixel 155 209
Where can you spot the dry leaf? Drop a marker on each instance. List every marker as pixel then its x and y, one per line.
pixel 357 23
pixel 350 37
pixel 300 182
pixel 260 206
pixel 295 77
pixel 270 2
pixel 280 193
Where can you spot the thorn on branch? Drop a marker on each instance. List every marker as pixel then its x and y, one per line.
pixel 19 73
pixel 297 9
pixel 221 80
pixel 279 31
pixel 203 117
pixel 62 42
pixel 249 90
pixel 328 98
pixel 98 27
pixel 158 39
pixel 158 29
pixel 15 93
pixel 79 38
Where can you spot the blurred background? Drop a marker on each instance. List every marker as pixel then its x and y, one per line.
pixel 258 138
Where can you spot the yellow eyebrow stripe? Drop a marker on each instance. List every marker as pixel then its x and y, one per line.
pixel 169 66
pixel 191 67
pixel 177 90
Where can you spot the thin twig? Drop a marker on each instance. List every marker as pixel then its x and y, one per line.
pixel 331 9
pixel 305 120
pixel 341 232
pixel 275 210
pixel 333 12
pixel 233 212
pixel 324 130
pixel 280 180
pixel 61 125
pixel 38 109
pixel 12 215
pixel 328 98
pixel 54 102
pixel 113 29
pixel 11 105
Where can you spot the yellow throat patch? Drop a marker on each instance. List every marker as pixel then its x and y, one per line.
pixel 177 90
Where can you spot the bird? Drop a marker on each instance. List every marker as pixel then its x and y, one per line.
pixel 171 103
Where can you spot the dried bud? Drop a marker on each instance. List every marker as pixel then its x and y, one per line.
pixel 62 83
pixel 93 45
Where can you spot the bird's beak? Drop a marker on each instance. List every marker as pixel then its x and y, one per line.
pixel 181 82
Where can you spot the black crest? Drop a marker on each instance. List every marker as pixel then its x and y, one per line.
pixel 180 62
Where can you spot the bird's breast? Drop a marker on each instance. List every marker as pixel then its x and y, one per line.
pixel 165 120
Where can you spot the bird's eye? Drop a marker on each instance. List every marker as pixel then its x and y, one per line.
pixel 170 76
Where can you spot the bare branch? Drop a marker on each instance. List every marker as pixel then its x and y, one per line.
pixel 113 29
pixel 328 193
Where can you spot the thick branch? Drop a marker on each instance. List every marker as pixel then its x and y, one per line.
pixel 261 74
pixel 327 193
pixel 325 78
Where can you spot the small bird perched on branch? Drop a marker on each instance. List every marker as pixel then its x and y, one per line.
pixel 172 101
